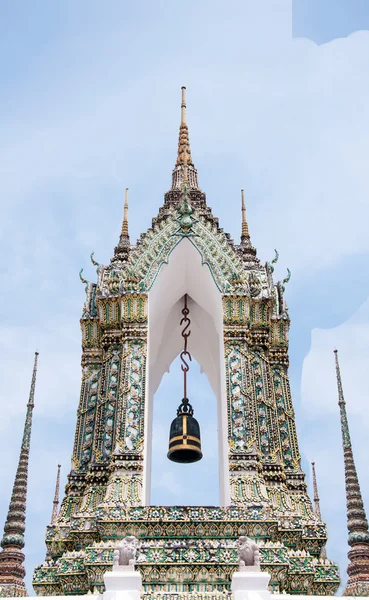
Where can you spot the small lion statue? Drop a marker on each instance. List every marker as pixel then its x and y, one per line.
pixel 248 554
pixel 125 552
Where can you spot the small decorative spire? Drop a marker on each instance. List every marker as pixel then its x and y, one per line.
pixel 12 571
pixel 323 552
pixel 125 217
pixel 55 512
pixel 121 251
pixel 184 171
pixel 357 524
pixel 245 228
pixel 248 251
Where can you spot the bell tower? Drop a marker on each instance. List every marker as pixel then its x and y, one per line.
pixel 131 331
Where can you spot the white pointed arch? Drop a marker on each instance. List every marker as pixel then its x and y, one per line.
pixel 185 273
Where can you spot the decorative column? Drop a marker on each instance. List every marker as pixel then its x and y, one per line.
pixel 246 482
pixel 126 480
pixel 12 571
pixel 357 524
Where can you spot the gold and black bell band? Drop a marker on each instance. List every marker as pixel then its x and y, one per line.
pixel 184 437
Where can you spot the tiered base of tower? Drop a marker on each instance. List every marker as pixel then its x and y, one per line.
pixel 185 550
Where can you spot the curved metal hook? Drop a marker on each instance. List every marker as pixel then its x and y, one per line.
pixel 186 333
pixel 186 366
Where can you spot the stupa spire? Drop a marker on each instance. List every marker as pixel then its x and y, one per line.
pixel 125 217
pixel 55 512
pixel 121 251
pixel 323 553
pixel 248 251
pixel 12 571
pixel 184 168
pixel 245 228
pixel 357 524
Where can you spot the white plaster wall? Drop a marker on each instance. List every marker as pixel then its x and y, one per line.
pixel 185 274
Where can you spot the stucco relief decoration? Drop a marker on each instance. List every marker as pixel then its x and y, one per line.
pixel 90 383
pixel 109 402
pixel 249 488
pixel 122 491
pixel 241 436
pixel 285 420
pixel 132 434
pixel 264 413
pixel 146 261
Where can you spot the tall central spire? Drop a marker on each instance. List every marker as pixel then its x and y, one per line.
pixel 12 571
pixel 184 169
pixel 357 524
pixel 184 150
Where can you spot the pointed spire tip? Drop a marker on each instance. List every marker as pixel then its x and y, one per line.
pixel 125 216
pixel 245 228
pixel 183 106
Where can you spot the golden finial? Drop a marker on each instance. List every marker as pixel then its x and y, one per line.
pixel 245 229
pixel 125 216
pixel 184 152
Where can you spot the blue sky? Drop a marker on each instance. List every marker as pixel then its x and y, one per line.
pixel 325 20
pixel 89 105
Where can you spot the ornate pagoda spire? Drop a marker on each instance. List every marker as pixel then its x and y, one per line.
pixel 357 524
pixel 184 164
pixel 54 514
pixel 12 571
pixel 121 251
pixel 247 249
pixel 323 552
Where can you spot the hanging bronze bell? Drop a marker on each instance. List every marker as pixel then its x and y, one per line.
pixel 184 437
